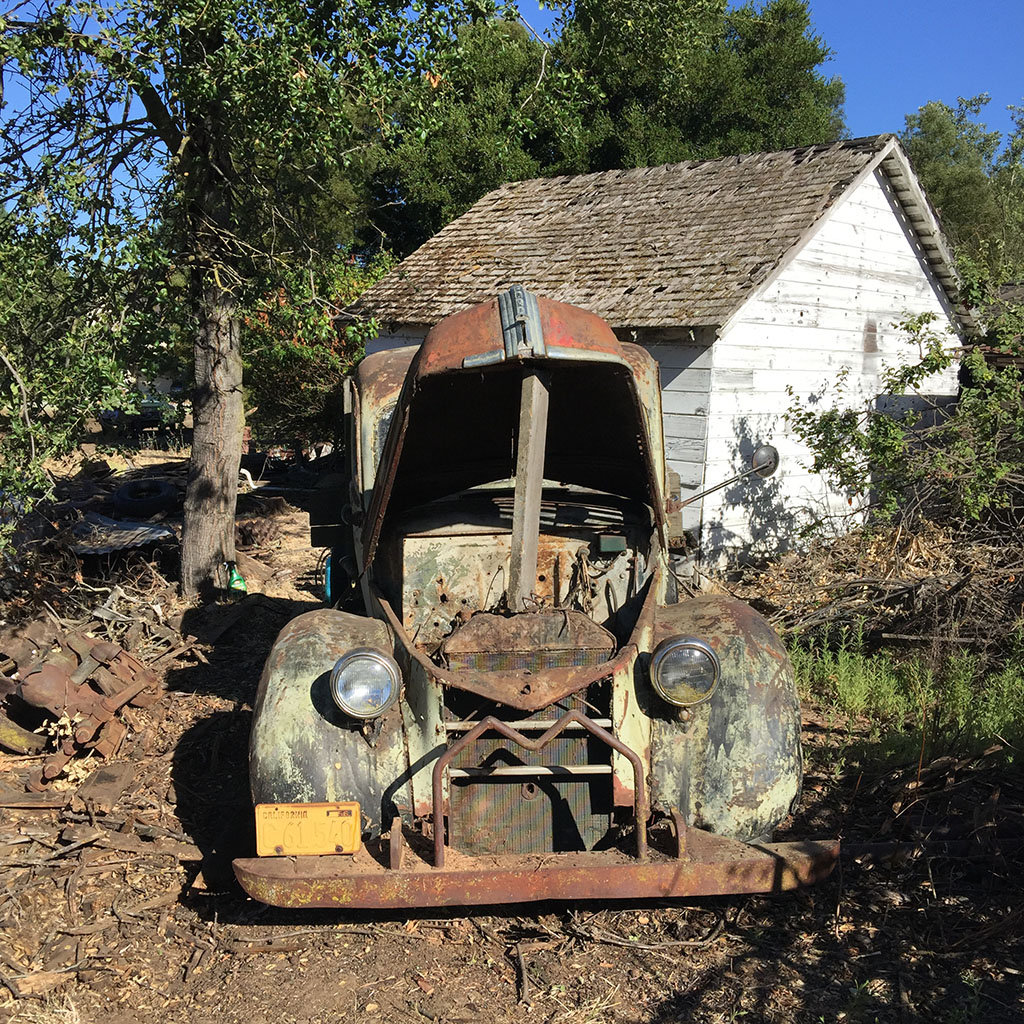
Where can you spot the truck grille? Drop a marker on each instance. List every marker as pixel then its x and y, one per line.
pixel 506 799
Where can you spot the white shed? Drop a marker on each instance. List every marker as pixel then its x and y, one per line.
pixel 744 276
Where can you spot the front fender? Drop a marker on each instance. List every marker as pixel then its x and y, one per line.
pixel 302 748
pixel 736 767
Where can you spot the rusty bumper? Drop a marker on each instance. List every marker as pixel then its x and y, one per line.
pixel 711 866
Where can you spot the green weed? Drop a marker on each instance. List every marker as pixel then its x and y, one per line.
pixel 897 700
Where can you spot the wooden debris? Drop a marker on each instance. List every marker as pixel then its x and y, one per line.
pixel 34 801
pixel 101 791
pixel 126 842
pixel 38 984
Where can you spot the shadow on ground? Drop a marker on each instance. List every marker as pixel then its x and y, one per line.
pixel 210 765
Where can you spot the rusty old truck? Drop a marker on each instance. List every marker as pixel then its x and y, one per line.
pixel 504 701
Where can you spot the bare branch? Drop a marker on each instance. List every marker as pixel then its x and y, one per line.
pixel 24 401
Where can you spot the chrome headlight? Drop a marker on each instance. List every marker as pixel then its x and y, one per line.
pixel 684 670
pixel 365 682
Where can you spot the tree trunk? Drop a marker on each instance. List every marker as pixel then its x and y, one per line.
pixel 208 536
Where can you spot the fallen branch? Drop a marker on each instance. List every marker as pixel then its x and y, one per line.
pixel 596 935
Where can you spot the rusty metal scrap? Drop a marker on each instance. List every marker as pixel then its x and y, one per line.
pixel 78 680
pixel 522 690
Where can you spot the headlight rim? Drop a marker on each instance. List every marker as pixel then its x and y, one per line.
pixel 381 658
pixel 672 643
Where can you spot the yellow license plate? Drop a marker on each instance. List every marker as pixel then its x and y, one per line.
pixel 302 830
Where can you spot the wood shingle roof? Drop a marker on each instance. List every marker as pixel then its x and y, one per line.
pixel 677 245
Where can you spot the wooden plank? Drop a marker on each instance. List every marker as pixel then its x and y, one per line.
pixel 896 275
pixel 792 304
pixel 681 356
pixel 691 474
pixel 681 425
pixel 533 429
pixel 47 799
pixel 252 568
pixel 734 380
pixel 37 984
pixel 813 363
pixel 101 791
pixel 686 380
pixel 764 336
pixel 858 249
pixel 681 449
pixel 684 403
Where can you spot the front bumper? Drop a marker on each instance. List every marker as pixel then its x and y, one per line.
pixel 710 866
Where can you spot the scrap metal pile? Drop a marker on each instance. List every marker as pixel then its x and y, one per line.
pixel 79 689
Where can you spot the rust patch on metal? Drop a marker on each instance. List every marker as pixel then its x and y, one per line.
pixel 714 866
pixel 523 690
pixel 380 376
pixel 679 824
pixel 477 331
pixel 539 641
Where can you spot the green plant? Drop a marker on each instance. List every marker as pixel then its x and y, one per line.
pixel 897 702
pixel 962 461
pixel 301 341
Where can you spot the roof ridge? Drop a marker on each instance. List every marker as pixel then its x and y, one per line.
pixel 874 143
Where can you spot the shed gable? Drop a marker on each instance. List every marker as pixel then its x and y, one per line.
pixel 837 304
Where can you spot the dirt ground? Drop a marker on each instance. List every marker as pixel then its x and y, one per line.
pixel 135 915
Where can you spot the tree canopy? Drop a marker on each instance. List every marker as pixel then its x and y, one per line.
pixel 627 83
pixel 955 157
pixel 493 111
pixel 220 121
pixel 974 178
pixel 206 169
pixel 696 80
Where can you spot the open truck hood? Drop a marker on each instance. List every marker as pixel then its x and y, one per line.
pixel 457 415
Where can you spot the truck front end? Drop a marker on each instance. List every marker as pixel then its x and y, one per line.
pixel 515 711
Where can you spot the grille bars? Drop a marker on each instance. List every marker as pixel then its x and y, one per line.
pixel 640 805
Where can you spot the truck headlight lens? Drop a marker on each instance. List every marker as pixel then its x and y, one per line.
pixel 684 670
pixel 365 682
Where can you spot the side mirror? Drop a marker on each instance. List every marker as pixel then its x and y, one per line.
pixel 765 460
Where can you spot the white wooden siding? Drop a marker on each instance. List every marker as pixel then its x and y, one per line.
pixel 835 304
pixel 685 365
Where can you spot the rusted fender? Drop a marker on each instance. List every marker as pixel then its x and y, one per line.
pixel 736 767
pixel 302 748
pixel 714 866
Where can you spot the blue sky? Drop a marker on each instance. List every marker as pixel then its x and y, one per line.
pixel 896 55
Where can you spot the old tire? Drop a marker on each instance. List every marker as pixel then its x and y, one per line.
pixel 140 499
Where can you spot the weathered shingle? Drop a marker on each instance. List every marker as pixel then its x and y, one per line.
pixel 680 244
